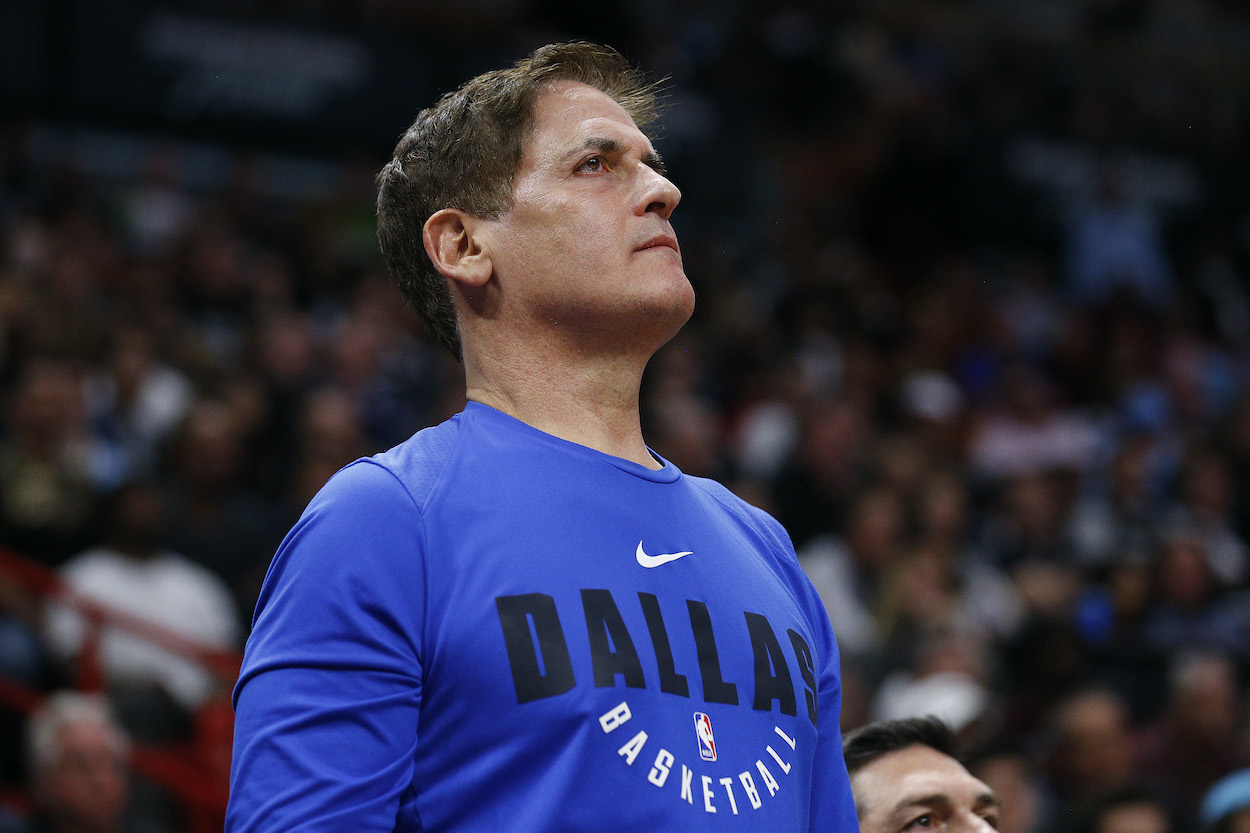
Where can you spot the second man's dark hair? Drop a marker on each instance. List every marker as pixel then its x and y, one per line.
pixel 868 743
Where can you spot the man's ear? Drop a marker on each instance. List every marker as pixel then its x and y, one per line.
pixel 451 240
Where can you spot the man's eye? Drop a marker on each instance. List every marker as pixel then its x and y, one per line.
pixel 921 823
pixel 593 165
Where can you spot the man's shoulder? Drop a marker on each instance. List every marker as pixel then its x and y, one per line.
pixel 428 448
pixel 415 465
pixel 722 493
pixel 741 508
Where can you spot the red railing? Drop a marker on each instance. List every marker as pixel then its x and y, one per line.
pixel 197 774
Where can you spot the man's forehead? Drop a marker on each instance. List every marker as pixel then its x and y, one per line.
pixel 566 91
pixel 568 114
pixel 915 772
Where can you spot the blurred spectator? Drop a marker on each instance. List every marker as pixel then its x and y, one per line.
pixel 1031 432
pixel 79 770
pixel 1198 372
pixel 1025 523
pixel 72 272
pixel 289 367
pixel 1197 740
pixel 215 290
pixel 813 486
pixel 47 483
pixel 1025 537
pixel 330 434
pixel 763 437
pixel 214 517
pixel 132 573
pixel 1015 779
pixel 1111 616
pixel 134 403
pixel 1115 245
pixel 901 462
pixel 1204 510
pixel 1029 310
pixel 935 413
pixel 1131 809
pixel 1091 749
pixel 1124 517
pixel 849 571
pixel 361 364
pixel 156 211
pixel 946 676
pixel 984 599
pixel 1192 611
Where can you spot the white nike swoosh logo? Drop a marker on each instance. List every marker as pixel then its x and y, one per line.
pixel 656 560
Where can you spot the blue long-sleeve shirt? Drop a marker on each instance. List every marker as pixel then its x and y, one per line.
pixel 488 628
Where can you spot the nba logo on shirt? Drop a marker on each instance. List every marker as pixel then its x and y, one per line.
pixel 703 731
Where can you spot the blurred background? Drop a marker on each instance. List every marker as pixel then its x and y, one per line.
pixel 973 322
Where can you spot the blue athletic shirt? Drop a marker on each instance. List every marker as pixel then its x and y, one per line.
pixel 488 629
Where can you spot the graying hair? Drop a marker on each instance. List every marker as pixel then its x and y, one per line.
pixel 67 708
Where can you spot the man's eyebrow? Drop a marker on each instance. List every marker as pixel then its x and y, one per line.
pixel 984 800
pixel 932 800
pixel 602 145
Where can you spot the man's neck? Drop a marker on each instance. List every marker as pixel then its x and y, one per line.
pixel 592 402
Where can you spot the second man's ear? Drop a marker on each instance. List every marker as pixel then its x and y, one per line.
pixel 457 253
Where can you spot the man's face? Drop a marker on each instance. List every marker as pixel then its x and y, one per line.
pixel 587 251
pixel 88 783
pixel 919 788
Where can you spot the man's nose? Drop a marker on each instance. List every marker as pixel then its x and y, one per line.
pixel 659 194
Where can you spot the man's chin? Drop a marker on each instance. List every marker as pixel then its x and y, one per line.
pixel 670 316
pixel 676 298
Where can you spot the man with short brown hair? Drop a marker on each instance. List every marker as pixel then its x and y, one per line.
pixel 522 619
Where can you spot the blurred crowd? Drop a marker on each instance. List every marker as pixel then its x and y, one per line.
pixel 973 322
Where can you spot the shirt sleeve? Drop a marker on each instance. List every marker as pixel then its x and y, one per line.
pixel 833 806
pixel 328 697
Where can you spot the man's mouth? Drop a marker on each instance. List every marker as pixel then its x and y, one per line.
pixel 661 241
